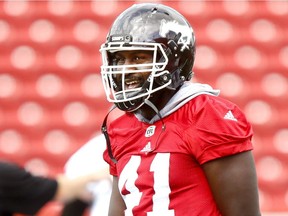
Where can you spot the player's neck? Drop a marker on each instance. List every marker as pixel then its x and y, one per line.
pixel 159 100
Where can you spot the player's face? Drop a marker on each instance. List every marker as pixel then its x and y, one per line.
pixel 132 61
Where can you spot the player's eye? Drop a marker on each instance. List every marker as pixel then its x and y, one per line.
pixel 117 60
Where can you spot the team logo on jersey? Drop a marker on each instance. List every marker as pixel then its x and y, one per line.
pixel 150 131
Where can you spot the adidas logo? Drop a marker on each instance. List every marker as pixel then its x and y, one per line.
pixel 229 115
pixel 147 148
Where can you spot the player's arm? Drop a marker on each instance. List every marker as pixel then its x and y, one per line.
pixel 25 193
pixel 21 192
pixel 117 205
pixel 233 183
pixel 76 188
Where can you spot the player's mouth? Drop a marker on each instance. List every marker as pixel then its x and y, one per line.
pixel 133 82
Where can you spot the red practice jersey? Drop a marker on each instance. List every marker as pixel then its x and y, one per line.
pixel 159 165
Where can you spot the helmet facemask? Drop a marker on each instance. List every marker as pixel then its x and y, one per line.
pixel 130 99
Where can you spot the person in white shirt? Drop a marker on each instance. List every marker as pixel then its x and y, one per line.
pixel 89 159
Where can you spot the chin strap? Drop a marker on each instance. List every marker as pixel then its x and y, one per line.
pixel 104 131
pixel 152 106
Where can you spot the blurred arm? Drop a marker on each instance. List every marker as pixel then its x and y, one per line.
pixel 76 188
pixel 22 192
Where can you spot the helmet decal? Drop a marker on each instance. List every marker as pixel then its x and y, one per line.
pixel 185 37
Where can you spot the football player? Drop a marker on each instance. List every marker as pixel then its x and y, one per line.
pixel 180 149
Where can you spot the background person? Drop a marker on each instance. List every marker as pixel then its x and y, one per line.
pixel 89 159
pixel 21 192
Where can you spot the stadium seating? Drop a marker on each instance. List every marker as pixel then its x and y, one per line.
pixel 52 100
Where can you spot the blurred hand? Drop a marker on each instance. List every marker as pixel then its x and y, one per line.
pixel 76 188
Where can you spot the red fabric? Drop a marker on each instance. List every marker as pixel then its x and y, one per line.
pixel 170 176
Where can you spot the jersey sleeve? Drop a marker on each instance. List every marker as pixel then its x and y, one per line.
pixel 22 192
pixel 219 128
pixel 112 165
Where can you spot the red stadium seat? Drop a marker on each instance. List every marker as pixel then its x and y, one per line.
pixel 50 78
